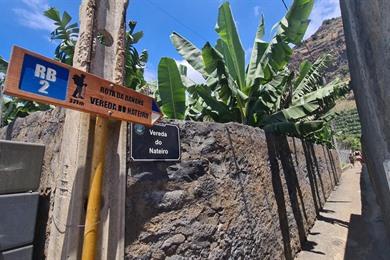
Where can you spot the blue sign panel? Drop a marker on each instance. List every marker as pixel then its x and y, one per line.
pixel 44 78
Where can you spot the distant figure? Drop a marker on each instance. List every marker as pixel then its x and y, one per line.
pixel 359 157
pixel 79 82
pixel 352 159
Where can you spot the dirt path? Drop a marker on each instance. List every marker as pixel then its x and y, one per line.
pixel 350 225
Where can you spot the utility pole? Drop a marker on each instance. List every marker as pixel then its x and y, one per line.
pixel 100 50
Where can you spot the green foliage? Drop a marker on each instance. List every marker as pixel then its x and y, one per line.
pixel 134 62
pixel 15 107
pixel 263 93
pixel 66 32
pixel 347 129
pixel 351 141
pixel 3 65
pixel 171 89
pixel 3 70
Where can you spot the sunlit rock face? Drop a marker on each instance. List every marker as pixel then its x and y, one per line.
pixel 236 194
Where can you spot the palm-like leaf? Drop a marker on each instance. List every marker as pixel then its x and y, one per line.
pixel 171 89
pixel 189 52
pixel 300 129
pixel 134 62
pixel 255 69
pixel 310 77
pixel 217 110
pixel 294 25
pixel 66 32
pixel 291 30
pixel 230 45
pixel 3 65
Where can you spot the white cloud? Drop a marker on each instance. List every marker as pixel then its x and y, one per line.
pixel 32 15
pixel 149 74
pixel 323 9
pixel 256 10
pixel 192 74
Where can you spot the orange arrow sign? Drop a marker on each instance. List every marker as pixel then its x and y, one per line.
pixel 37 78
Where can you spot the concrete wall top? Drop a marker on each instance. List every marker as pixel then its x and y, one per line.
pixel 20 166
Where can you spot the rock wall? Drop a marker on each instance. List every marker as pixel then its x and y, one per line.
pixel 367 33
pixel 236 194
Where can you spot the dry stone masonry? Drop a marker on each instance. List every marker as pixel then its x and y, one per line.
pixel 237 193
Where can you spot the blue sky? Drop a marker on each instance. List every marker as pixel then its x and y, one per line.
pixel 23 23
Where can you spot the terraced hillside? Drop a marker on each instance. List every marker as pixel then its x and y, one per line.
pixel 348 129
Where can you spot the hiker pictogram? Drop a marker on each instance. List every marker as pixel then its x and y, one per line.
pixel 79 82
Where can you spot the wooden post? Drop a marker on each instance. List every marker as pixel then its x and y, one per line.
pixel 105 17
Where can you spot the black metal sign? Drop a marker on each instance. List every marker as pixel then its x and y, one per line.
pixel 160 142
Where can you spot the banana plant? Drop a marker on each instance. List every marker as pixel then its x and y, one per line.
pixel 223 66
pixel 232 85
pixel 265 92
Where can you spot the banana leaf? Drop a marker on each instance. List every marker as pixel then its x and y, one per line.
pixel 255 69
pixel 298 129
pixel 189 52
pixel 231 44
pixel 171 89
pixel 330 92
pixel 3 65
pixel 294 25
pixel 310 77
pixel 214 61
pixel 218 110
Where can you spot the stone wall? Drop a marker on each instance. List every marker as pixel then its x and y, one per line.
pixel 367 33
pixel 236 194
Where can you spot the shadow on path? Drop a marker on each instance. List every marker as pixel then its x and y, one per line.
pixel 366 234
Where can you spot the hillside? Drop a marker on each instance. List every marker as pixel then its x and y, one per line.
pixel 329 39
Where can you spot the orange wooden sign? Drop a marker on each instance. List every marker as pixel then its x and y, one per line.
pixel 34 77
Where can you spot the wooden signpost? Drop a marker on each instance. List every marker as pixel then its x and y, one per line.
pixel 34 77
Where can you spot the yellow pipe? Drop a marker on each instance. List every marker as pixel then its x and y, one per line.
pixel 95 191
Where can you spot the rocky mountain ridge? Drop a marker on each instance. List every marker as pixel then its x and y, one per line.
pixel 329 39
